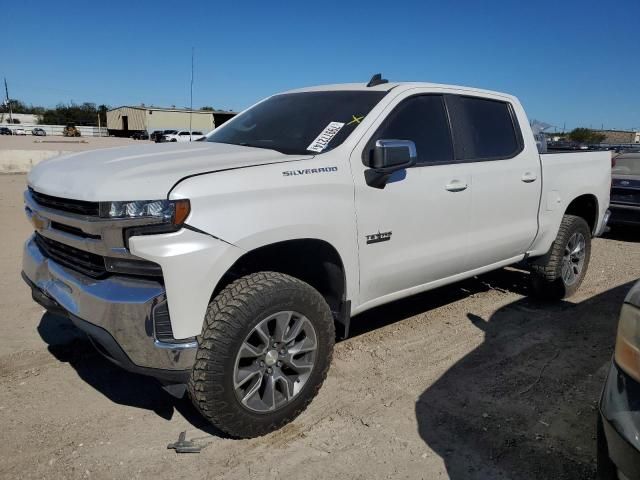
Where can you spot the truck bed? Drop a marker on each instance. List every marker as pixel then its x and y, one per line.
pixel 565 177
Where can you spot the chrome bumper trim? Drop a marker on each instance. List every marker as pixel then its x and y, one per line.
pixel 120 305
pixel 175 346
pixel 603 225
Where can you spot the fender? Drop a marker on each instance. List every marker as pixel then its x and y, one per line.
pixel 254 207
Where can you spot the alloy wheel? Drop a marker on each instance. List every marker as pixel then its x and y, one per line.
pixel 275 361
pixel 573 258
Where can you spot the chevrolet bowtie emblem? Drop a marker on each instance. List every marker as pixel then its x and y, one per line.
pixel 38 222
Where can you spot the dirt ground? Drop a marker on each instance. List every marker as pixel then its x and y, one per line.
pixel 471 381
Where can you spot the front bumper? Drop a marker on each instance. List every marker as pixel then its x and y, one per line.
pixel 619 437
pixel 603 225
pixel 624 214
pixel 116 313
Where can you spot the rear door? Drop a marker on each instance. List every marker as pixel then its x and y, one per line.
pixel 505 177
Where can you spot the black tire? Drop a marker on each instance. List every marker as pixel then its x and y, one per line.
pixel 546 271
pixel 230 318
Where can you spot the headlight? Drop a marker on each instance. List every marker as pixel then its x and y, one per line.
pixel 169 211
pixel 628 341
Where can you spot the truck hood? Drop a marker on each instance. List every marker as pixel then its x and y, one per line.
pixel 141 172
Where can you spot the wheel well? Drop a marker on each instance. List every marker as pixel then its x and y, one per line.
pixel 313 261
pixel 585 206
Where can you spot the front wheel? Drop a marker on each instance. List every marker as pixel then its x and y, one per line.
pixel 559 273
pixel 264 353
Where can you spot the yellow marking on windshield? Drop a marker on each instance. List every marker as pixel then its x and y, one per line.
pixel 355 119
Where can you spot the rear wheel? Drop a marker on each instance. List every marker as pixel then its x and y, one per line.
pixel 559 273
pixel 263 354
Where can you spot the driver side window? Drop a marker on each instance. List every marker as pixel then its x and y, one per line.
pixel 422 119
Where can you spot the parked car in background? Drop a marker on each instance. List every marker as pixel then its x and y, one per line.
pixel 19 131
pixel 619 412
pixel 158 135
pixel 625 190
pixel 184 136
pixel 566 145
pixel 39 132
pixel 5 131
pixel 141 135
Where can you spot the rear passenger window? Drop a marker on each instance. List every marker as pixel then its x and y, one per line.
pixel 422 119
pixel 482 128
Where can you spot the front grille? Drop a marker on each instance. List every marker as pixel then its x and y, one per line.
pixel 79 207
pixel 84 262
pixel 625 195
pixel 78 232
pixel 619 215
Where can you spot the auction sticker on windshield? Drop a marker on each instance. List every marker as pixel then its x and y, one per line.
pixel 322 140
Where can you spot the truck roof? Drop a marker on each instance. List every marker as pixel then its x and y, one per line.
pixel 385 87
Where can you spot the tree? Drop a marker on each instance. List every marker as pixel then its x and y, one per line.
pixel 585 135
pixel 102 111
pixel 85 114
pixel 17 106
pixel 207 109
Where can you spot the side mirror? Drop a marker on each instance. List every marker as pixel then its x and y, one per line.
pixel 387 157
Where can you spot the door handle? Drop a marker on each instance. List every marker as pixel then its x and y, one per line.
pixel 456 186
pixel 529 177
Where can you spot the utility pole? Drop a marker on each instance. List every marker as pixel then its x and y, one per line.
pixel 191 104
pixel 6 91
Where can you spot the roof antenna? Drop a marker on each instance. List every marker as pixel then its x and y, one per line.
pixel 191 103
pixel 377 80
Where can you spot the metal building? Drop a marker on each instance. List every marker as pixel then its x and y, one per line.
pixel 125 121
pixel 623 137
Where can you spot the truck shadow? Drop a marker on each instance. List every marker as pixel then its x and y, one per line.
pixel 70 345
pixel 523 404
pixel 509 279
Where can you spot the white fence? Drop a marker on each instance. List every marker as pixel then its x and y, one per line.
pixel 57 129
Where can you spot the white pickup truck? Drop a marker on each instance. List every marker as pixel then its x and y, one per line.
pixel 227 265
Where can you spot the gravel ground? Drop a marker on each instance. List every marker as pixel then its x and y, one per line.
pixel 471 381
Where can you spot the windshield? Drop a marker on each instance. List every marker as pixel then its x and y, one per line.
pixel 627 164
pixel 299 123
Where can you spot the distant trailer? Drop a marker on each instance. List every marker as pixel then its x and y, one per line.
pixel 126 121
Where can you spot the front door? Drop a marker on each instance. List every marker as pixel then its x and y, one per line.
pixel 413 231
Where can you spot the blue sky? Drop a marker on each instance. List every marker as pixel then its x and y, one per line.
pixel 573 62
